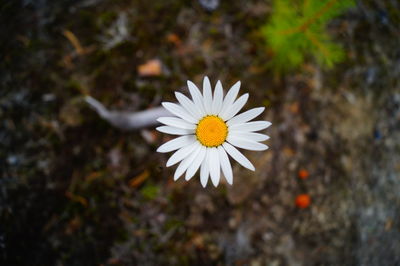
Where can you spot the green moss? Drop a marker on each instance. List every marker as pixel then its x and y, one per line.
pixel 150 191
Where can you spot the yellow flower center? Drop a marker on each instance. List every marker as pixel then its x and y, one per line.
pixel 211 131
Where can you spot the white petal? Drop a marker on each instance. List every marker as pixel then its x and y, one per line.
pixel 246 116
pixel 250 126
pixel 183 166
pixel 218 97
pixel 248 135
pixel 181 154
pixel 215 170
pixel 246 144
pixel 175 130
pixel 176 122
pixel 230 98
pixel 191 171
pixel 177 143
pixel 225 165
pixel 196 96
pixel 236 107
pixel 207 95
pixel 205 169
pixel 177 110
pixel 238 156
pixel 188 105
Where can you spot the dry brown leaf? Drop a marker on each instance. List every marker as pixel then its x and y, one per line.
pixel 138 180
pixel 150 68
pixel 288 151
pixel 92 176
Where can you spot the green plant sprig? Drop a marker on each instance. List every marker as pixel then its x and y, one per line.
pixel 297 30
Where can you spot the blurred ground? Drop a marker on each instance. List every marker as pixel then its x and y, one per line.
pixel 75 191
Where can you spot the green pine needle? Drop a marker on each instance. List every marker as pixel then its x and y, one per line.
pixel 297 31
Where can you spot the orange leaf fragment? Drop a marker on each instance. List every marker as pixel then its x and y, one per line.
pixel 303 174
pixel 303 201
pixel 173 38
pixel 92 176
pixel 150 68
pixel 74 41
pixel 76 198
pixel 138 180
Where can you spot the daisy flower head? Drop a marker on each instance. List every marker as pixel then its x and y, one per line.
pixel 209 129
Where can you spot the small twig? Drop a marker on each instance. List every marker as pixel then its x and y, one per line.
pixel 128 120
pixel 317 15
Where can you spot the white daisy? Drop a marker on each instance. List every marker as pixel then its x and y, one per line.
pixel 209 130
